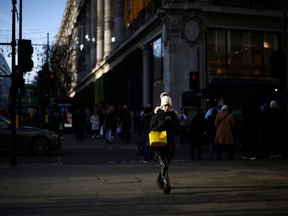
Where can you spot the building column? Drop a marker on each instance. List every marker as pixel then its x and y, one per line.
pixel 87 32
pixel 100 31
pixel 146 76
pixel 120 31
pixel 172 60
pixel 107 28
pixel 180 34
pixel 93 34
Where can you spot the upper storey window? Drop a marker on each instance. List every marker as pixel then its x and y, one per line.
pixel 242 53
pixel 253 4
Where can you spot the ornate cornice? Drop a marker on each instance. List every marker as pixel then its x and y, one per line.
pixel 185 23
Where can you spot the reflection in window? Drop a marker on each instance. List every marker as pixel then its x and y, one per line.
pixel 244 50
pixel 157 53
pixel 216 52
pixel 240 53
pixel 271 53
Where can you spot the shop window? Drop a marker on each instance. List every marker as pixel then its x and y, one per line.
pixel 216 52
pixel 244 51
pixel 241 53
pixel 271 54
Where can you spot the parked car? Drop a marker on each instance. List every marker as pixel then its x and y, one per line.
pixel 38 141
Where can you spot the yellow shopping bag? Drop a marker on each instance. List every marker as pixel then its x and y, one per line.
pixel 157 139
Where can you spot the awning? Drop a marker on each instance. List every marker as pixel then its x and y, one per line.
pixel 219 85
pixel 227 83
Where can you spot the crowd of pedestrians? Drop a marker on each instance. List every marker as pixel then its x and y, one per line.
pixel 261 131
pixel 105 122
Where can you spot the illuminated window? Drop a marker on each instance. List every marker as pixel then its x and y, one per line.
pixel 241 53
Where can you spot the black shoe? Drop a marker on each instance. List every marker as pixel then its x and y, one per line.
pixel 166 186
pixel 160 182
pixel 167 189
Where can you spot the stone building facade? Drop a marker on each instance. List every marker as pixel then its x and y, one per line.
pixel 203 52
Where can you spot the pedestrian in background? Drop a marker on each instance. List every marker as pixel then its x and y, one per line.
pixel 110 123
pixel 197 134
pixel 55 120
pixel 210 133
pixel 251 129
pixel 88 131
pixel 184 123
pixel 224 123
pixel 165 120
pixel 79 121
pixel 144 129
pixel 125 124
pixel 95 124
pixel 275 127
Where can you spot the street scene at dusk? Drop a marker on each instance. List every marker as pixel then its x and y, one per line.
pixel 143 107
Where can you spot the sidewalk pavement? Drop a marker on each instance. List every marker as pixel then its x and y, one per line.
pixel 238 187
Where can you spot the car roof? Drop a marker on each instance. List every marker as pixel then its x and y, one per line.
pixel 5 119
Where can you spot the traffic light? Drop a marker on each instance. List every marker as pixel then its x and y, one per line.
pixel 51 79
pixel 25 51
pixel 194 81
pixel 19 80
pixel 51 76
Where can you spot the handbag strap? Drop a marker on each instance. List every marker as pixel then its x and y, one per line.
pixel 222 119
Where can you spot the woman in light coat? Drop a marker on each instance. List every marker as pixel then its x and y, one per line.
pixel 94 120
pixel 224 123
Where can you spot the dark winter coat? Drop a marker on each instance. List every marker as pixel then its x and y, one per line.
pixel 145 123
pixel 166 121
pixel 211 128
pixel 274 125
pixel 110 121
pixel 125 120
pixel 197 129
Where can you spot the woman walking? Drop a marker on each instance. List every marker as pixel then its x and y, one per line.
pixel 165 119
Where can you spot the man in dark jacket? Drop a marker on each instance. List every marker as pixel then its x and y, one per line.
pixel 144 130
pixel 197 134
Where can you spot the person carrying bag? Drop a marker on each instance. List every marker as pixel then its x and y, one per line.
pixel 224 123
pixel 165 119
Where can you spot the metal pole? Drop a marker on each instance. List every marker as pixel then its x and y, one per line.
pixel 13 160
pixel 284 57
pixel 20 20
pixel 19 90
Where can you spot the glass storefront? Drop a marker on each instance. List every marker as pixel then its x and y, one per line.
pixel 233 53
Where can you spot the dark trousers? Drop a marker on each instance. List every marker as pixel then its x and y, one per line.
pixel 196 149
pixel 126 135
pixel 163 177
pixel 220 148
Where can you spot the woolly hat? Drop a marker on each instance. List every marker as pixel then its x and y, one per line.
pixel 273 104
pixel 163 94
pixel 166 100
pixel 224 107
